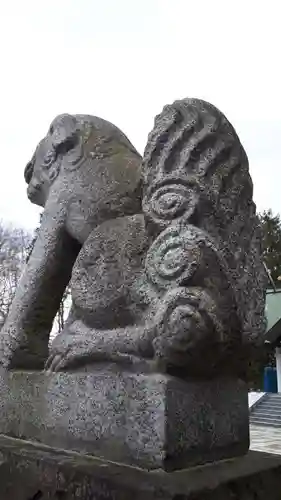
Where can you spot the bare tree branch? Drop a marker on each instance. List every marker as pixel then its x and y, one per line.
pixel 14 243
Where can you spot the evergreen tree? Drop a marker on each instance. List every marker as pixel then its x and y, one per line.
pixel 271 227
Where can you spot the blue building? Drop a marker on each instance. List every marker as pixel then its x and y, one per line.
pixel 273 332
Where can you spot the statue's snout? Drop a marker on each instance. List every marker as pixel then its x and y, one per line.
pixel 34 192
pixel 28 171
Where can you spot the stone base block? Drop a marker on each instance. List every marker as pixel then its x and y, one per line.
pixel 30 471
pixel 152 421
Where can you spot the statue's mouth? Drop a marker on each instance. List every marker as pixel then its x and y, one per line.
pixel 34 194
pixel 28 171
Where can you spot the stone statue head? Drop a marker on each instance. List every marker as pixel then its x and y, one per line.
pixel 41 172
pixel 82 142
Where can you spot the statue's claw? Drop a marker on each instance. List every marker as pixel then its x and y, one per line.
pixel 54 363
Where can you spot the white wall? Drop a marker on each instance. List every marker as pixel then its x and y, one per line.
pixel 253 397
pixel 278 367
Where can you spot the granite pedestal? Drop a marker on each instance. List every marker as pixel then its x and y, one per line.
pixel 30 471
pixel 152 421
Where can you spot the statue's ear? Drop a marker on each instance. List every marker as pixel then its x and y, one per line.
pixel 65 137
pixel 64 133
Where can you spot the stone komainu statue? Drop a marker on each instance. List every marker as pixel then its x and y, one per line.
pixel 164 254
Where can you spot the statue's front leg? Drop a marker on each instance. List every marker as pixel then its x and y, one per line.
pixel 25 335
pixel 184 321
pixel 79 345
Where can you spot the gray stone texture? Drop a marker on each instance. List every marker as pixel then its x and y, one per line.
pixel 164 256
pixel 33 472
pixel 148 420
pixel 164 261
pixel 84 172
pixel 197 196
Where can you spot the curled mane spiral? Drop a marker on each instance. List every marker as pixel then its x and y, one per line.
pixel 195 171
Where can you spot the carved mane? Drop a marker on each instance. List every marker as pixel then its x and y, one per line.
pixel 195 171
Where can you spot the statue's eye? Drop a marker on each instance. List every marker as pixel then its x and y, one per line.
pixel 49 158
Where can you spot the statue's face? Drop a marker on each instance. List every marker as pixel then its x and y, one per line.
pixel 110 167
pixel 41 172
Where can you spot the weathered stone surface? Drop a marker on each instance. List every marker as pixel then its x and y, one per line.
pixel 197 196
pixel 166 275
pixel 35 472
pixel 84 172
pixel 148 420
pixel 170 260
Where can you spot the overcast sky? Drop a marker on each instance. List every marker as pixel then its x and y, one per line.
pixel 124 60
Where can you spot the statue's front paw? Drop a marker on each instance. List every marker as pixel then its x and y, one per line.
pixel 70 351
pixel 60 348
